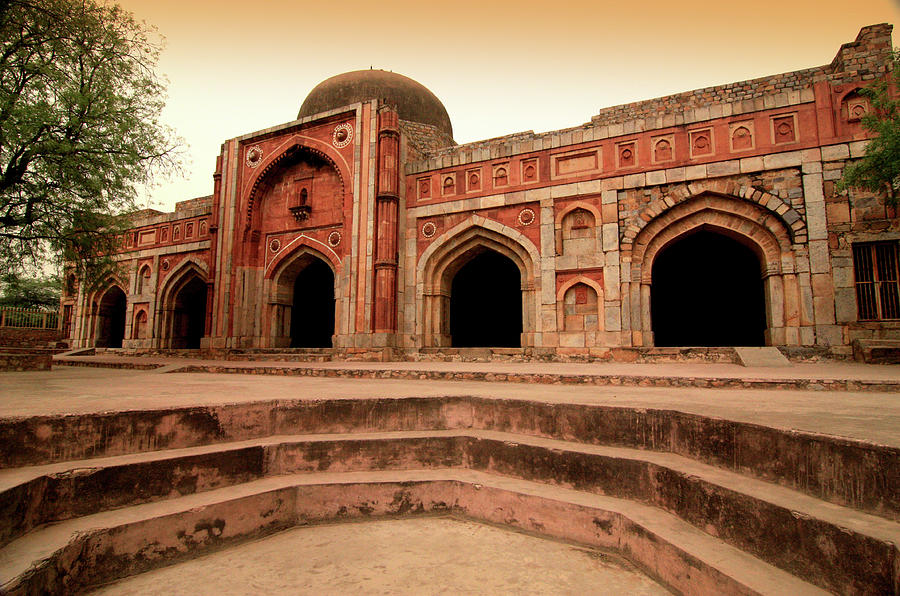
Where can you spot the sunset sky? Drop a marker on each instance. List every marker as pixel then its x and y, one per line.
pixel 499 67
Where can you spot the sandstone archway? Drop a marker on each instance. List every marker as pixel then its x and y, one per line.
pixel 444 258
pixel 181 315
pixel 758 229
pixel 301 300
pixel 111 309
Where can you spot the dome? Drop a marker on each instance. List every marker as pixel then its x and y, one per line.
pixel 413 101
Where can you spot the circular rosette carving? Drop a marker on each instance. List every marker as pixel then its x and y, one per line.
pixel 334 239
pixel 254 156
pixel 429 229
pixel 342 135
pixel 275 245
pixel 526 217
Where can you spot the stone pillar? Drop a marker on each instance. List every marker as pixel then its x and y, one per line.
pixel 386 225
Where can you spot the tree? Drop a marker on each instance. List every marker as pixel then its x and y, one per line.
pixel 30 292
pixel 878 171
pixel 80 129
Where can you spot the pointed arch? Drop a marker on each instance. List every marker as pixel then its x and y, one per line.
pixel 169 316
pixel 766 234
pixel 456 247
pixel 561 306
pixel 279 287
pixel 791 219
pixel 300 243
pixel 284 152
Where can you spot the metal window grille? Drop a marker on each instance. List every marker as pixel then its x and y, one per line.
pixel 877 281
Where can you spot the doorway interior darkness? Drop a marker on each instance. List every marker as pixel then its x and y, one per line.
pixel 312 314
pixel 112 318
pixel 486 303
pixel 190 315
pixel 707 291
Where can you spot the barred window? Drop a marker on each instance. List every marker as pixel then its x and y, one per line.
pixel 875 267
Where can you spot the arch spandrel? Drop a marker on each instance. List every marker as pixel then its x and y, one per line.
pixel 728 190
pixel 296 248
pixel 766 234
pixel 455 241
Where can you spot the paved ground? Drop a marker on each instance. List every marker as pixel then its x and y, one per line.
pixel 402 556
pixel 870 416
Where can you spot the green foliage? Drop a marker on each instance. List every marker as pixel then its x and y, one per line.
pixel 34 292
pixel 79 129
pixel 878 171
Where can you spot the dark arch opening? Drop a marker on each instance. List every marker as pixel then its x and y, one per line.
pixel 189 314
pixel 486 303
pixel 112 318
pixel 312 314
pixel 707 291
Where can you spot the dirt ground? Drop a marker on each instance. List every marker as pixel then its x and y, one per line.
pixel 430 555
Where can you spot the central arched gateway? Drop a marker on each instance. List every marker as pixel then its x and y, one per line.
pixel 312 311
pixel 301 296
pixel 486 303
pixel 707 290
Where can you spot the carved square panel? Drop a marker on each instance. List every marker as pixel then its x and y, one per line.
pixel 662 149
pixel 857 107
pixel 742 135
pixel 701 142
pixel 626 154
pixel 784 128
pixel 423 187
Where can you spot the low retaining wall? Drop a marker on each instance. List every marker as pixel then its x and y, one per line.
pixel 12 360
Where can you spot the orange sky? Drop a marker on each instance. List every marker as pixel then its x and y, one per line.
pixel 498 66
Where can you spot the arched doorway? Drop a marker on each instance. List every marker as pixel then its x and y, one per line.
pixel 312 311
pixel 111 318
pixel 486 303
pixel 189 314
pixel 707 290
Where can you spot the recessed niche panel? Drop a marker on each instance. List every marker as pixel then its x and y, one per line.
pixel 147 237
pixel 575 163
pixel 626 154
pixel 473 180
pixel 701 142
pixel 501 174
pixel 529 171
pixel 742 135
pixel 663 148
pixel 448 184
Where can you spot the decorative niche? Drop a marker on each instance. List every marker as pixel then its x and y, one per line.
pixel 299 199
pixel 742 135
pixel 701 142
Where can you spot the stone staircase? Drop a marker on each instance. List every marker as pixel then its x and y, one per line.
pixel 706 506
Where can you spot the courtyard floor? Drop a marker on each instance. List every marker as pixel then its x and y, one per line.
pixel 867 415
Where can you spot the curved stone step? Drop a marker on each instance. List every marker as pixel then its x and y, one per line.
pixel 843 471
pixel 101 547
pixel 837 547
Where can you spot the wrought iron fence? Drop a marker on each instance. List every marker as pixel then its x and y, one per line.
pixel 29 318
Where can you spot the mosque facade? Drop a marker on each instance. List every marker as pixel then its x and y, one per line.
pixel 706 218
